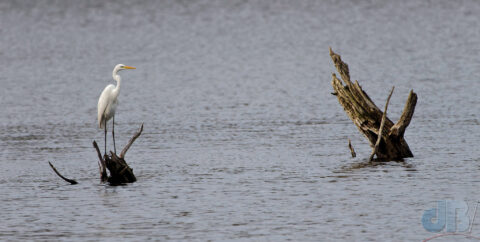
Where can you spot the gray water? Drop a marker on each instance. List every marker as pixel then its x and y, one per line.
pixel 242 139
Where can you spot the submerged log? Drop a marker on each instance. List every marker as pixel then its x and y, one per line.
pixel 120 172
pixel 368 117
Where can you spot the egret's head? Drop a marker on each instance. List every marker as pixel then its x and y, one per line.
pixel 120 67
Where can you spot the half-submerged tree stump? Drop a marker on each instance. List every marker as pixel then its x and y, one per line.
pixel 120 172
pixel 367 116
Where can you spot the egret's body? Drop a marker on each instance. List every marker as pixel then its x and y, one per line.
pixel 107 103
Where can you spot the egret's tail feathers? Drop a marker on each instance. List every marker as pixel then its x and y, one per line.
pixel 101 124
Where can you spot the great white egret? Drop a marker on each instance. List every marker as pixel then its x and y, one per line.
pixel 107 103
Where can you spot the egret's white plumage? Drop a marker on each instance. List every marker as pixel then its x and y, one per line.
pixel 107 103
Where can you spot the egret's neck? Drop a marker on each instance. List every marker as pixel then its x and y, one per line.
pixel 117 78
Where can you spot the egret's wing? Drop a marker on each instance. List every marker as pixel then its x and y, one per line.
pixel 103 101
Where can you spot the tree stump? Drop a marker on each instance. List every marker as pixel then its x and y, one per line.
pixel 120 172
pixel 368 117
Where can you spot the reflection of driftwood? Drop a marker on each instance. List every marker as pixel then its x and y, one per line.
pixel 120 172
pixel 73 182
pixel 374 163
pixel 368 117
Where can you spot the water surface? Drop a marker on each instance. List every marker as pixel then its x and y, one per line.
pixel 242 139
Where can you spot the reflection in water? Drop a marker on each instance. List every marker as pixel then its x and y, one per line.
pixel 378 162
pixel 242 138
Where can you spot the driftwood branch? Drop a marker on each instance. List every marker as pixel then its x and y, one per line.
pixel 399 128
pixel 73 182
pixel 101 164
pixel 130 142
pixel 352 151
pixel 368 117
pixel 118 169
pixel 382 125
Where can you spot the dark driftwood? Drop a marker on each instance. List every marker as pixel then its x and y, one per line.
pixel 73 182
pixel 352 151
pixel 130 142
pixel 118 168
pixel 368 117
pixel 101 164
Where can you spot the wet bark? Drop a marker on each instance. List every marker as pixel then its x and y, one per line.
pixel 120 172
pixel 368 117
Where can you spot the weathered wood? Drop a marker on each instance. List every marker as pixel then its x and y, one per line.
pixel 368 117
pixel 382 125
pixel 352 151
pixel 130 142
pixel 73 182
pixel 399 128
pixel 101 164
pixel 120 172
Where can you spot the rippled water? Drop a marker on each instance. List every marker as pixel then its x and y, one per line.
pixel 242 138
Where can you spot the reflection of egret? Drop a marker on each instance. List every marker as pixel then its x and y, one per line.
pixel 107 103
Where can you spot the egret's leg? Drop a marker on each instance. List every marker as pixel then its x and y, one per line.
pixel 113 134
pixel 105 137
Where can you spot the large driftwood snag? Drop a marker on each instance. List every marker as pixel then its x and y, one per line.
pixel 368 117
pixel 120 172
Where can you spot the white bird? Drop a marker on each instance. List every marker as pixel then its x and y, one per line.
pixel 107 103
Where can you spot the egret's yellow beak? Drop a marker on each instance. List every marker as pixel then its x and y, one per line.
pixel 129 67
